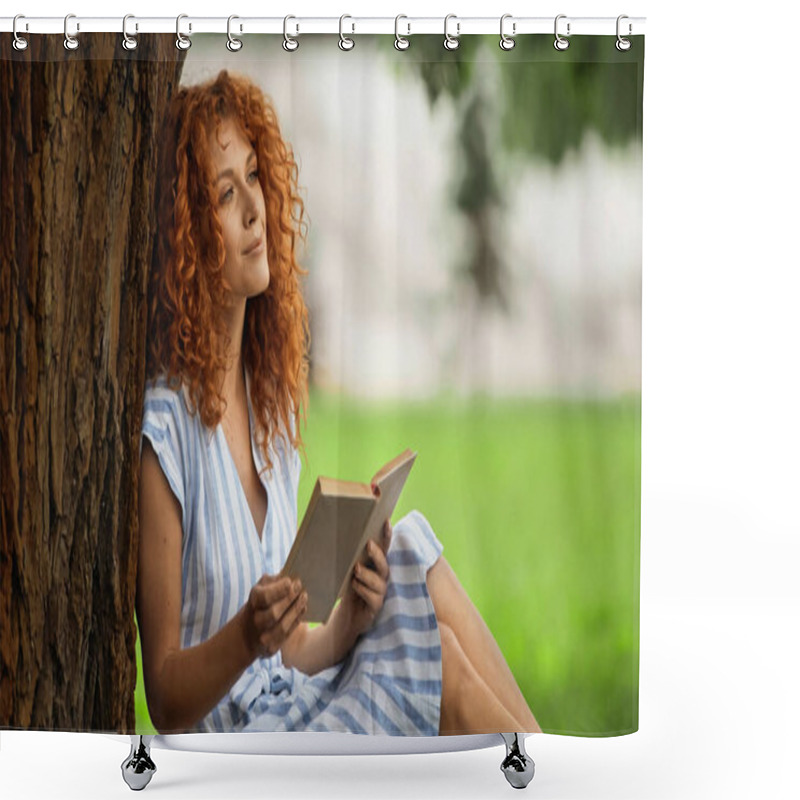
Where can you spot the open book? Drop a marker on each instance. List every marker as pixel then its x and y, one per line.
pixel 341 517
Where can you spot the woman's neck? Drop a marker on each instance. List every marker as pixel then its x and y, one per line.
pixel 233 385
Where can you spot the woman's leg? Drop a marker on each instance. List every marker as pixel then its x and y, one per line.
pixel 454 608
pixel 468 705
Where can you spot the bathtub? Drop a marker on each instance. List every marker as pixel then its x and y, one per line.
pixel 139 767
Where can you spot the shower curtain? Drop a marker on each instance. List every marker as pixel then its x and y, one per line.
pixel 463 230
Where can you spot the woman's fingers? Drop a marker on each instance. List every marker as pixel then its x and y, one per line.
pixel 270 589
pixel 275 608
pixel 291 616
pixel 372 597
pixel 370 578
pixel 272 616
pixel 283 590
pixel 271 600
pixel 378 557
pixel 272 634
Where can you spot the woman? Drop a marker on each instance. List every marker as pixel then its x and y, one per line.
pixel 224 644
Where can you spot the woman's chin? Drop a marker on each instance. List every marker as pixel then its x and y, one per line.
pixel 250 284
pixel 260 282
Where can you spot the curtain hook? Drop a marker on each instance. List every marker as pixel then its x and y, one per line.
pixel 345 43
pixel 70 42
pixel 451 42
pixel 233 44
pixel 561 43
pixel 128 42
pixel 290 43
pixel 182 42
pixel 19 42
pixel 622 43
pixel 400 42
pixel 507 42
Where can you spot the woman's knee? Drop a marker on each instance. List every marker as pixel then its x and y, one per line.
pixel 456 669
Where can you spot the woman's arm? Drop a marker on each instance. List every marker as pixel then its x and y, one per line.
pixel 182 686
pixel 313 649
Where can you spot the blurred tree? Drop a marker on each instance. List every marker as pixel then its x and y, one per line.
pixel 478 197
pixel 547 100
pixel 550 98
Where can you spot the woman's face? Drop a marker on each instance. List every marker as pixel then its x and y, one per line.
pixel 241 210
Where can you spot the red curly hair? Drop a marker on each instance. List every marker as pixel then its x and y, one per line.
pixel 187 338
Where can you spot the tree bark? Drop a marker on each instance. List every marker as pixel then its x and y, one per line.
pixel 78 139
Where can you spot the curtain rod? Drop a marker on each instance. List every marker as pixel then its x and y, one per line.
pixel 299 25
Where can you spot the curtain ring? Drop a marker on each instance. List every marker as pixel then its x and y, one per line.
pixel 233 44
pixel 622 43
pixel 561 43
pixel 182 42
pixel 345 43
pixel 400 42
pixel 451 42
pixel 19 42
pixel 70 42
pixel 128 42
pixel 507 42
pixel 290 43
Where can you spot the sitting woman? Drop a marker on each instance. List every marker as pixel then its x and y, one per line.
pixel 224 643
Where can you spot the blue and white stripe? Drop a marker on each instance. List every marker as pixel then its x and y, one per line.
pixel 390 682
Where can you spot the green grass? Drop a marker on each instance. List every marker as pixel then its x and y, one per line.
pixel 537 506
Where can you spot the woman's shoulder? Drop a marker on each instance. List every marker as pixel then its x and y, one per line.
pixel 166 398
pixel 164 425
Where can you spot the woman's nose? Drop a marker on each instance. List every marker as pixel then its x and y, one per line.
pixel 251 210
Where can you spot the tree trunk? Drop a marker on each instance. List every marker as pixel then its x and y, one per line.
pixel 78 140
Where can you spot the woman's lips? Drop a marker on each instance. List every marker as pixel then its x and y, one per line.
pixel 255 248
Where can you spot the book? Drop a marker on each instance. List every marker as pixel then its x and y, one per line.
pixel 341 517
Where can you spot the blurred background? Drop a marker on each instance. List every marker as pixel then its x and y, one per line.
pixel 474 289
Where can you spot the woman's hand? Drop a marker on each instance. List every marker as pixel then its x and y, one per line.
pixel 274 609
pixel 367 590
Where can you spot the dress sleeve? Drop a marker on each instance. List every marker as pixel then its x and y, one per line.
pixel 161 424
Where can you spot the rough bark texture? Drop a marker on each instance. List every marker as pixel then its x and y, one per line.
pixel 78 136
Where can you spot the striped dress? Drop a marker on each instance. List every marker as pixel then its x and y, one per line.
pixel 391 680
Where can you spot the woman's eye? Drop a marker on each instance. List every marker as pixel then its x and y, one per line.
pixel 253 175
